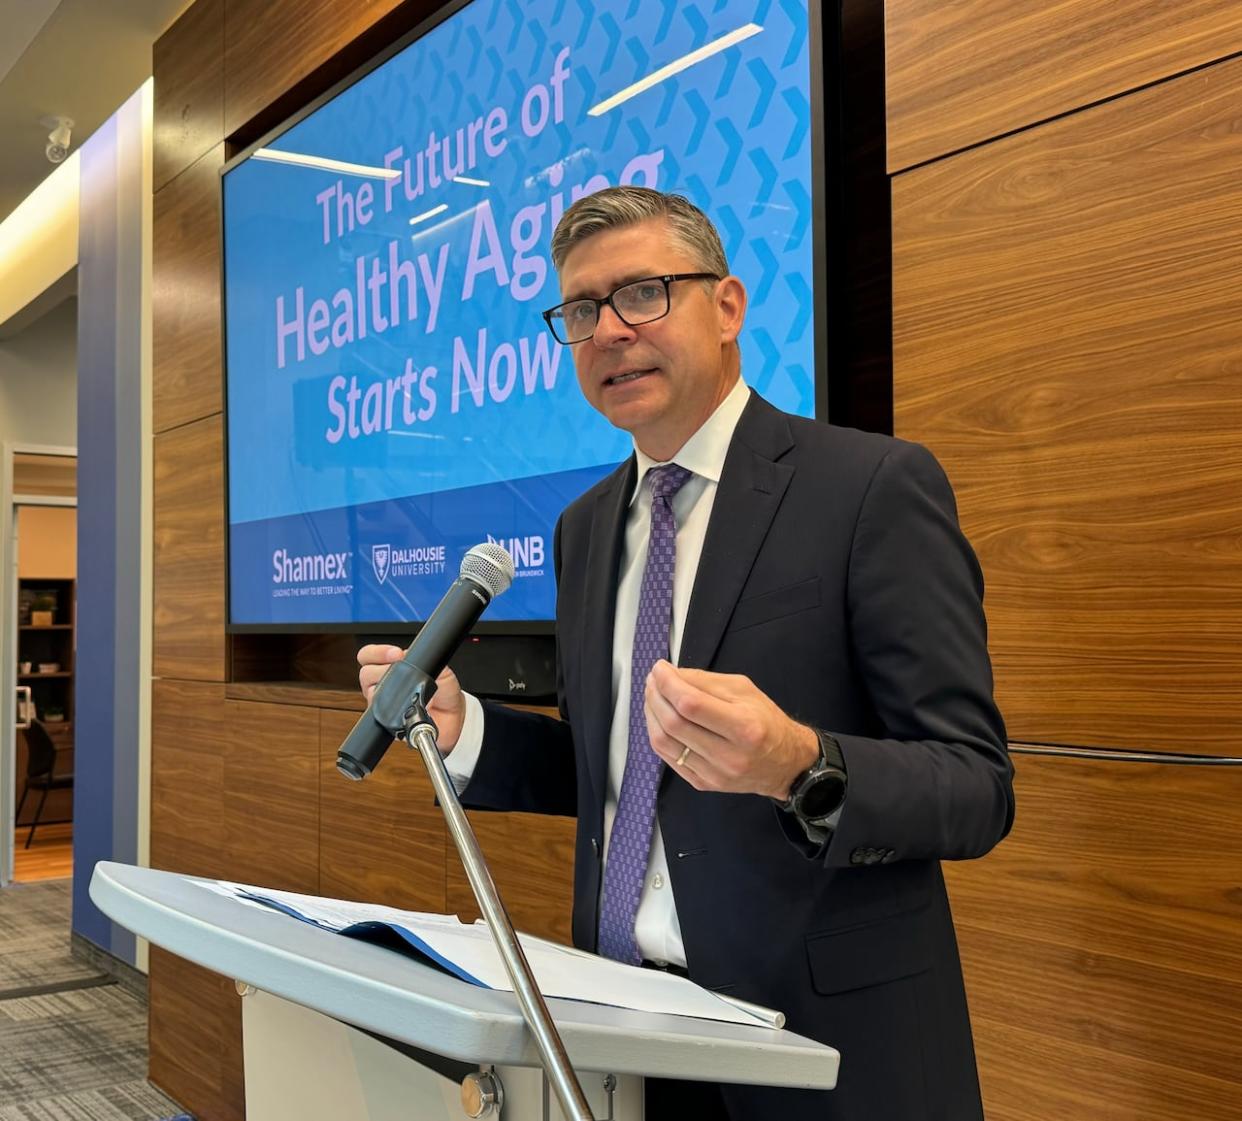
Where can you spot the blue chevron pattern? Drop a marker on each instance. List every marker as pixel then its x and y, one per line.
pixel 733 148
pixel 698 26
pixel 666 21
pixel 735 136
pixel 699 110
pixel 800 109
pixel 766 83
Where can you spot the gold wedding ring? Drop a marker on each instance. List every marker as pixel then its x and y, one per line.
pixel 681 759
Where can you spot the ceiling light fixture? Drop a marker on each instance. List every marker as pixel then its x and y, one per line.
pixel 59 138
pixel 676 67
pixel 429 213
pixel 322 163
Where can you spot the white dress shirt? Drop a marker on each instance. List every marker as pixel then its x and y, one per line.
pixel 657 931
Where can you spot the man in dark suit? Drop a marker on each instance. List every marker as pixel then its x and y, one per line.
pixel 820 709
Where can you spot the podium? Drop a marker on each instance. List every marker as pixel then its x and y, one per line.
pixel 335 1029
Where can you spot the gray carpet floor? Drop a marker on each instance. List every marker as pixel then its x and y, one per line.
pixel 34 937
pixel 73 1044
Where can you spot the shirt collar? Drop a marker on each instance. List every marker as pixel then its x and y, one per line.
pixel 704 453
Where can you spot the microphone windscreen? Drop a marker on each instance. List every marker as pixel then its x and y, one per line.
pixel 490 566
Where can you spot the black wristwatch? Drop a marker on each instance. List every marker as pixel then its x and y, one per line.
pixel 817 795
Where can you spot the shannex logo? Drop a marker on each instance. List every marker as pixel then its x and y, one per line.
pixel 527 553
pixel 310 568
pixel 380 555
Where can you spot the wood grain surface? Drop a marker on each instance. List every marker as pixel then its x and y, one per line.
pixel 321 41
pixel 318 661
pixel 1068 340
pixel 381 840
pixel 50 856
pixel 297 693
pixel 962 73
pixel 531 857
pixel 188 60
pixel 187 371
pixel 188 536
pixel 271 795
pixel 1101 944
pixel 195 1038
pixel 187 778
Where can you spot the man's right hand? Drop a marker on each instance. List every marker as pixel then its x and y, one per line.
pixel 447 708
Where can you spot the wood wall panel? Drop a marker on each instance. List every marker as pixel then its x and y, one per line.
pixel 187 374
pixel 381 840
pixel 321 41
pixel 189 552
pixel 1066 339
pixel 531 857
pixel 189 96
pixel 194 1028
pixel 187 778
pixel 1102 939
pixel 271 795
pixel 1021 1068
pixel 959 74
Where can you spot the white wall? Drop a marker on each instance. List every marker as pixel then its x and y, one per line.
pixel 39 380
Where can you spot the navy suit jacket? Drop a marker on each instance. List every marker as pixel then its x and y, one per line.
pixel 835 576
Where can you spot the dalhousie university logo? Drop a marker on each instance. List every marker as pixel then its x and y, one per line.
pixel 379 558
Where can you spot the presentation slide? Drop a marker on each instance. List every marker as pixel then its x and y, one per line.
pixel 394 396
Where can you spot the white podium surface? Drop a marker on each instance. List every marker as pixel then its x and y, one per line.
pixel 395 996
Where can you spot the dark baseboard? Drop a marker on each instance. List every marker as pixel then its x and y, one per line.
pixel 132 980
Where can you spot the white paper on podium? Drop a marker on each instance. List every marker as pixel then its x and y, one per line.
pixel 469 952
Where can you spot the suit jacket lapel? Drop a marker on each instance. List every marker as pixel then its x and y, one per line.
pixel 751 487
pixel 603 568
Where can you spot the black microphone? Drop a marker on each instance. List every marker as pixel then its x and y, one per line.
pixel 486 571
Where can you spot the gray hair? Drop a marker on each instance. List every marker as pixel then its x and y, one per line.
pixel 614 207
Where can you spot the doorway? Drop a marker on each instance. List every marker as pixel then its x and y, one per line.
pixel 38 563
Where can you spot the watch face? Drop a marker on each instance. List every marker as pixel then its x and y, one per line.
pixel 822 797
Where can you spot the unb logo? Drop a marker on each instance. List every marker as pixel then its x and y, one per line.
pixel 380 555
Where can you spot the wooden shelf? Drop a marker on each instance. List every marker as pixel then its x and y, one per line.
pixel 48 627
pixel 323 696
pixel 295 693
pixel 45 676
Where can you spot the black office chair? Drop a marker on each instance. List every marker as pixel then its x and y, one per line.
pixel 41 773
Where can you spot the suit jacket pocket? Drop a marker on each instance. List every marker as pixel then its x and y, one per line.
pixel 766 606
pixel 858 957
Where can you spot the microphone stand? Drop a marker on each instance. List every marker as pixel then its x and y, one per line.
pixel 419 731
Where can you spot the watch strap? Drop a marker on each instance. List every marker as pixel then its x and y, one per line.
pixel 830 758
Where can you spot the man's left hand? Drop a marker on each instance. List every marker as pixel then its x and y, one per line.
pixel 739 740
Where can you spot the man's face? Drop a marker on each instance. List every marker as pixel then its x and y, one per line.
pixel 685 362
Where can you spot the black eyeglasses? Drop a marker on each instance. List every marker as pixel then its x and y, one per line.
pixel 635 303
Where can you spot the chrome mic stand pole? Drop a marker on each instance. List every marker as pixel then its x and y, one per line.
pixel 420 733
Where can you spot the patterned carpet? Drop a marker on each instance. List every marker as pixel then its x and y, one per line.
pixel 73 1044
pixel 34 938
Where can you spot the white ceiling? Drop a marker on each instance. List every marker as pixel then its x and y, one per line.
pixel 71 58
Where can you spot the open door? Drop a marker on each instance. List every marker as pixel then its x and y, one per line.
pixel 38 491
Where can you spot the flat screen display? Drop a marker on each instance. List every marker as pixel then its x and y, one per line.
pixel 393 396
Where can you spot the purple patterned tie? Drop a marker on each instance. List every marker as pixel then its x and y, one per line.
pixel 630 841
